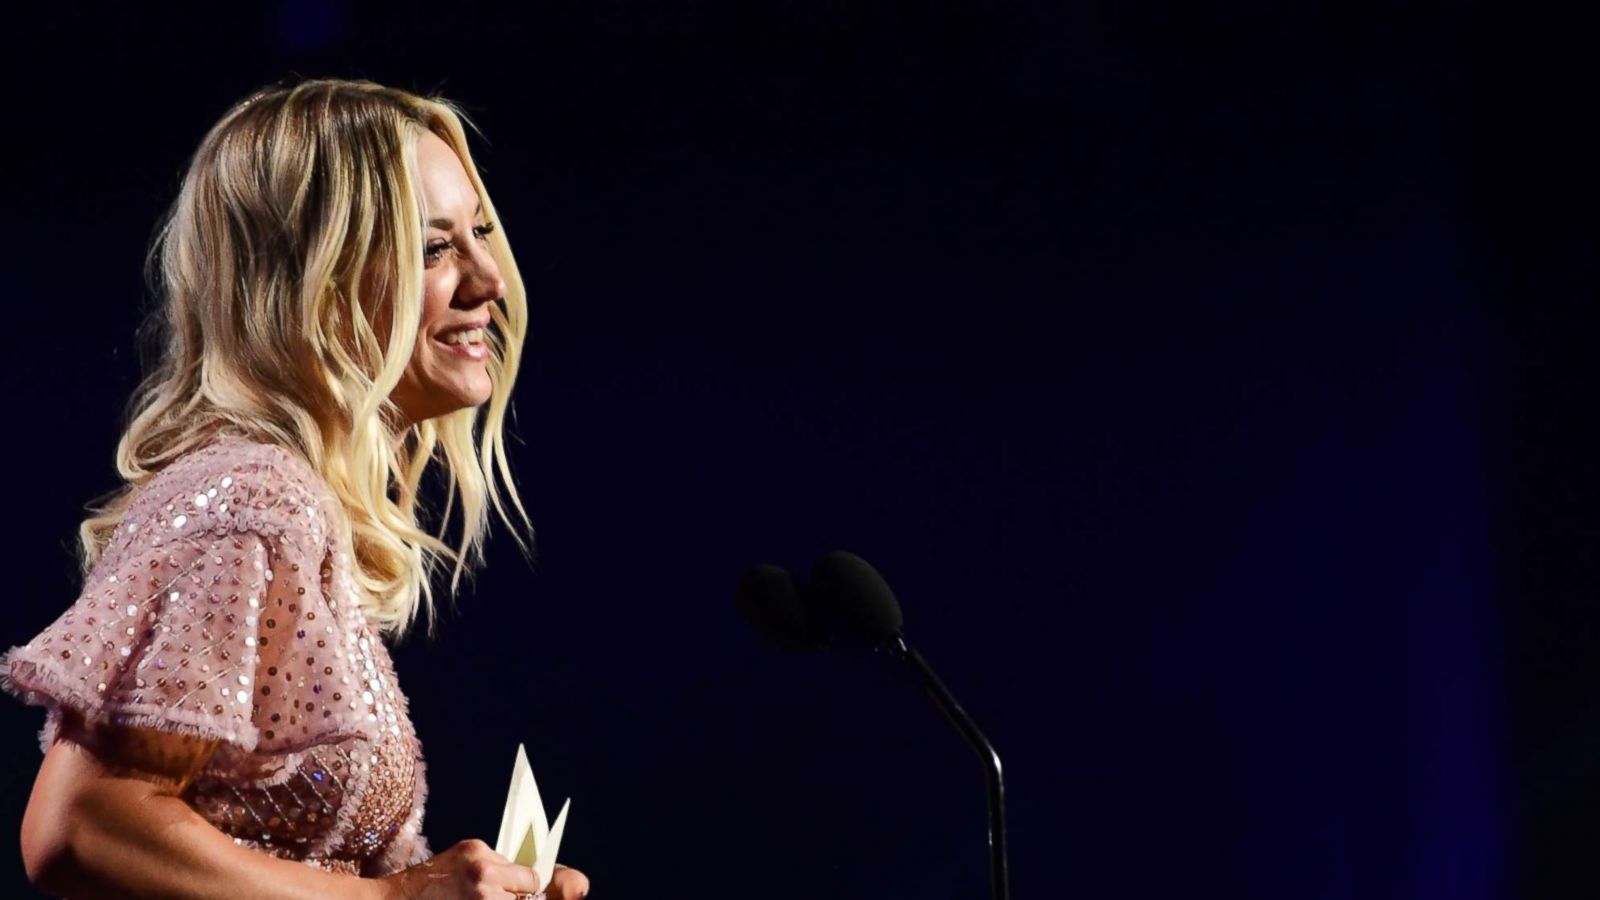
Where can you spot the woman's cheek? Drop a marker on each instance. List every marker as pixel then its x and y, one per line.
pixel 436 297
pixel 430 291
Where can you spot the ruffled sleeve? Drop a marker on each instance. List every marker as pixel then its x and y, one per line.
pixel 207 615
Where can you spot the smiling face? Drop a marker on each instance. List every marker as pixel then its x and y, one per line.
pixel 449 367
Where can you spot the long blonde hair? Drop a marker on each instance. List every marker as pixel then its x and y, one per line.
pixel 298 226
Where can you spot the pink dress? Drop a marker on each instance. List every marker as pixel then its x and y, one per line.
pixel 225 607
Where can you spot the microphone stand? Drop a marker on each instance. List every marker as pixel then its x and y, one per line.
pixel 999 873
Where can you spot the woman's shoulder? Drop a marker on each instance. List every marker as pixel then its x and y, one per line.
pixel 234 482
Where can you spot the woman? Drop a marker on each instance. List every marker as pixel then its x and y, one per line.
pixel 338 310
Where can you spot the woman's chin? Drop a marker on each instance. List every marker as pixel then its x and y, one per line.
pixel 476 397
pixel 431 398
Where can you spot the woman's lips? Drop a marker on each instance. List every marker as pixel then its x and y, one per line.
pixel 475 350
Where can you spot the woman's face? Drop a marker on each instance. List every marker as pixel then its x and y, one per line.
pixel 449 368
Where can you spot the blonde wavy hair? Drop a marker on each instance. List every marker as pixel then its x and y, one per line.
pixel 289 279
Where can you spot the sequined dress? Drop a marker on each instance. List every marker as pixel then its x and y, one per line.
pixel 225 607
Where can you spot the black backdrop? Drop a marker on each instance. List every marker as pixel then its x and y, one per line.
pixel 1174 362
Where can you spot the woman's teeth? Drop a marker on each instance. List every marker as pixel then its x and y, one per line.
pixel 470 336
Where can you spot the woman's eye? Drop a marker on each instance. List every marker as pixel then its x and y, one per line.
pixel 434 250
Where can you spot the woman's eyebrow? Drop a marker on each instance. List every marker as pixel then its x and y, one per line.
pixel 448 224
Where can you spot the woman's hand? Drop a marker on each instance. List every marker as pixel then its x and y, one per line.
pixel 468 871
pixel 567 884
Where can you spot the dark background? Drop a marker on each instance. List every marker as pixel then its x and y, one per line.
pixel 1201 376
pixel 1534 200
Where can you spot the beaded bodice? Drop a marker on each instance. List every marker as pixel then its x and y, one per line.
pixel 226 607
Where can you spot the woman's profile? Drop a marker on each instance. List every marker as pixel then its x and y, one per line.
pixel 338 313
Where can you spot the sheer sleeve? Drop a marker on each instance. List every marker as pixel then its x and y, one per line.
pixel 207 615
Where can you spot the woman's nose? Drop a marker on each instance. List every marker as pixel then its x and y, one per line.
pixel 483 281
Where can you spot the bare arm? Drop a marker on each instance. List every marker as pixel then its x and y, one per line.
pixel 111 823
pixel 95 828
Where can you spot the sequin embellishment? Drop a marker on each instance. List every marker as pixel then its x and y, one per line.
pixel 237 619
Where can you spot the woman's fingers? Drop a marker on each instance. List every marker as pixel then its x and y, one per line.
pixel 567 883
pixel 490 873
pixel 517 879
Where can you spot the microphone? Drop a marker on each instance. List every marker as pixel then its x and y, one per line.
pixel 850 595
pixel 846 597
pixel 769 600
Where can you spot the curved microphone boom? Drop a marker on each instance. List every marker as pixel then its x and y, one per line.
pixel 845 596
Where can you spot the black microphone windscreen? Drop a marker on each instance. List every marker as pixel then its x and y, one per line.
pixel 770 602
pixel 853 594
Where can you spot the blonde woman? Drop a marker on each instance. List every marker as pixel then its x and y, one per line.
pixel 339 310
